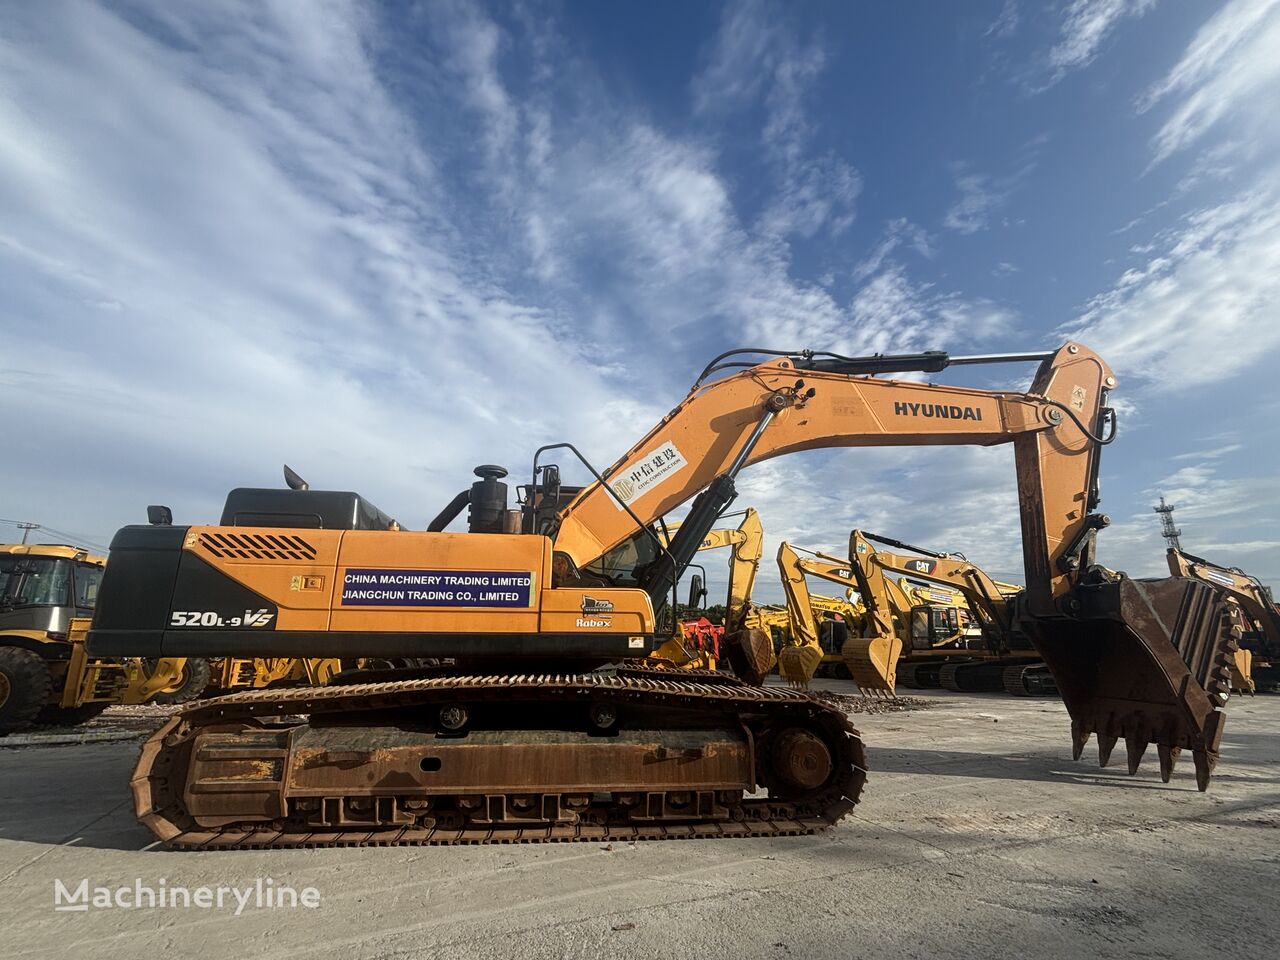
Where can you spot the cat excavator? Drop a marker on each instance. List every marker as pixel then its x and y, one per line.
pixel 545 723
pixel 804 654
pixel 1257 662
pixel 979 649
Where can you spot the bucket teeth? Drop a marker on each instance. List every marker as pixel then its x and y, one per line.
pixel 1168 759
pixel 1135 746
pixel 1079 737
pixel 1205 762
pixel 1105 744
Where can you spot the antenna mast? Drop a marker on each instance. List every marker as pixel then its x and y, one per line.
pixel 1167 529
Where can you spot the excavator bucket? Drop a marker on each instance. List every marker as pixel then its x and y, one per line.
pixel 749 652
pixel 1144 661
pixel 797 663
pixel 873 661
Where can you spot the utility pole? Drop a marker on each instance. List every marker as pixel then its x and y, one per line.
pixel 26 528
pixel 1167 529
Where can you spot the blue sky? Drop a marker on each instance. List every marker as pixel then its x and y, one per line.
pixel 387 243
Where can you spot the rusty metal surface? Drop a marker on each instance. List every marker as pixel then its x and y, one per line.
pixel 749 651
pixel 1145 661
pixel 372 765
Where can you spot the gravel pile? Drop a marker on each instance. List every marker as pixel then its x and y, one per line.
pixel 856 703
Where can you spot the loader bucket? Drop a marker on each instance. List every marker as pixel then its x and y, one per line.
pixel 873 661
pixel 1146 661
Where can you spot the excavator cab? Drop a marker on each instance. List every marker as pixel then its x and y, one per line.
pixel 932 626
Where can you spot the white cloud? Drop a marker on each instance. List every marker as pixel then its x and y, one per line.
pixel 1085 26
pixel 1006 21
pixel 1231 69
pixel 1208 288
pixel 258 270
pixel 972 211
pixel 756 58
pixel 1211 454
pixel 897 233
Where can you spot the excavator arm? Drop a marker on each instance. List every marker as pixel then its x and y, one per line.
pixel 1252 595
pixel 797 403
pixel 1143 660
pixel 746 541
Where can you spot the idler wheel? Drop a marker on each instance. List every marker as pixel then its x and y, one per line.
pixel 802 759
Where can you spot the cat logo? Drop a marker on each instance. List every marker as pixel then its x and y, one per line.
pixel 921 566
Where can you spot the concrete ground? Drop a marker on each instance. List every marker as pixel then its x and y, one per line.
pixel 977 837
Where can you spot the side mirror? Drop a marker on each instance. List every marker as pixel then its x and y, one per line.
pixel 697 592
pixel 159 516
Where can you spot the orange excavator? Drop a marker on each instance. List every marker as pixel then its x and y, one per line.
pixel 543 722
pixel 1257 662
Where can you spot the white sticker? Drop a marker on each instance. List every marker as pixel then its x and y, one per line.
pixel 636 643
pixel 1216 577
pixel 634 481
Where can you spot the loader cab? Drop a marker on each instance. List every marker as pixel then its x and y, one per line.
pixel 933 625
pixel 43 587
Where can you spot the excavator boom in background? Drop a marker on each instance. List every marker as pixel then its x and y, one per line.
pixel 688 647
pixel 524 737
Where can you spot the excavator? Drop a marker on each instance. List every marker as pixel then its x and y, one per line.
pixel 805 654
pixel 546 723
pixel 1257 663
pixel 978 649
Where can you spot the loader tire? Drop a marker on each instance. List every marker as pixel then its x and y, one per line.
pixel 25 688
pixel 55 716
pixel 189 685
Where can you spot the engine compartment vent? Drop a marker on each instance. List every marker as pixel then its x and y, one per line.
pixel 257 546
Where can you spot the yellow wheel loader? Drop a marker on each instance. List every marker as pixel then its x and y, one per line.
pixel 549 724
pixel 47 592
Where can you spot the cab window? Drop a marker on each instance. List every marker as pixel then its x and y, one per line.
pixel 88 579
pixel 34 581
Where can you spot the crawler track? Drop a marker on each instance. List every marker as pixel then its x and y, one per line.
pixel 242 770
